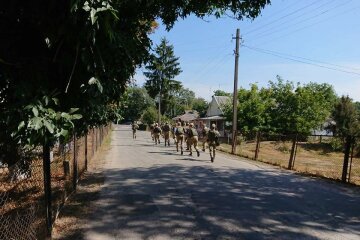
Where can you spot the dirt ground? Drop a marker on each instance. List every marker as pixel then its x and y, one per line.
pixel 310 158
pixel 70 223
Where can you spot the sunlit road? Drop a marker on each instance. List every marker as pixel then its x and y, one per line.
pixel 152 192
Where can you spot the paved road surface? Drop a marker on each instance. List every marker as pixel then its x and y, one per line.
pixel 152 192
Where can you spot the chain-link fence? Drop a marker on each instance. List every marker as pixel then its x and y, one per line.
pixel 31 196
pixel 316 154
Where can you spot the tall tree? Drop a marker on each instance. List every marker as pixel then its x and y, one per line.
pixel 136 101
pixel 81 53
pixel 346 117
pixel 161 72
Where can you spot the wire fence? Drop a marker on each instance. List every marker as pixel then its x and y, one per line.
pixel 318 155
pixel 33 190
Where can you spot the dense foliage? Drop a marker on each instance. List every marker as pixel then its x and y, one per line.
pixel 161 71
pixel 284 108
pixel 83 53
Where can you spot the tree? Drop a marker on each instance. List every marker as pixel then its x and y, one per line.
pixel 251 111
pixel 346 117
pixel 161 71
pixel 150 115
pixel 284 108
pixel 136 102
pixel 299 109
pixel 201 106
pixel 222 93
pixel 83 54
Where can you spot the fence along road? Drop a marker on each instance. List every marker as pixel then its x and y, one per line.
pixel 152 192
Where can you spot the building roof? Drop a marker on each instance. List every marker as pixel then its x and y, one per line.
pixel 189 115
pixel 213 118
pixel 216 105
pixel 221 100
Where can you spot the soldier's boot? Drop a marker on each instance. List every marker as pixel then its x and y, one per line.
pixel 190 154
pixel 198 153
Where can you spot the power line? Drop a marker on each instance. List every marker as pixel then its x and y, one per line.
pixel 278 19
pixel 282 28
pixel 280 55
pixel 310 25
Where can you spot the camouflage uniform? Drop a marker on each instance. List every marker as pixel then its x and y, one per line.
pixel 179 133
pixel 157 133
pixel 166 131
pixel 213 141
pixel 193 139
pixel 204 137
pixel 134 127
pixel 152 126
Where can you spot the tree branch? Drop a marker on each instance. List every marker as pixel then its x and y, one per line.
pixel 73 69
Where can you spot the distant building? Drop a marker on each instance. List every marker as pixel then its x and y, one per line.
pixel 215 113
pixel 188 116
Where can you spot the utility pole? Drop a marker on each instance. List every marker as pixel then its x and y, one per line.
pixel 235 99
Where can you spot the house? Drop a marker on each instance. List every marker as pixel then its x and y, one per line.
pixel 215 114
pixel 188 116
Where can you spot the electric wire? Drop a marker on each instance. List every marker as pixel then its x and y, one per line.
pixel 280 55
pixel 308 26
pixel 279 19
pixel 270 31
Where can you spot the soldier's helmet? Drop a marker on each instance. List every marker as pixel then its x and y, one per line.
pixel 156 124
pixel 191 124
pixel 178 124
pixel 213 126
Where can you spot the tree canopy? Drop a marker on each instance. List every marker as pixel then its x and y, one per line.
pixel 162 69
pixel 284 107
pixel 80 54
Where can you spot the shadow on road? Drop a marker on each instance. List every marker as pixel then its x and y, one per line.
pixel 199 202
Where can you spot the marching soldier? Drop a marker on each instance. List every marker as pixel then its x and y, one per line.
pixel 213 141
pixel 166 131
pixel 157 133
pixel 179 133
pixel 152 126
pixel 193 139
pixel 186 135
pixel 134 127
pixel 204 132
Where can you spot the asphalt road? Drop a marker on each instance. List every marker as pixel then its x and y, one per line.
pixel 152 192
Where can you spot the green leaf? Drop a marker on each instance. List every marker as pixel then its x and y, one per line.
pixel 37 123
pixel 76 116
pixel 72 110
pixel 35 111
pixel 66 115
pixel 49 126
pixel 21 125
pixel 56 101
pixel 64 132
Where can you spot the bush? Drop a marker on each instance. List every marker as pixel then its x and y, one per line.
pixel 336 144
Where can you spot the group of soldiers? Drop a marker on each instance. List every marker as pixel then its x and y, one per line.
pixel 186 133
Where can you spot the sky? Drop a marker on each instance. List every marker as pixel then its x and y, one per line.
pixel 301 41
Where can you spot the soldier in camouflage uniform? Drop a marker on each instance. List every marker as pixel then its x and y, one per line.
pixel 193 139
pixel 157 133
pixel 152 126
pixel 213 141
pixel 134 127
pixel 204 132
pixel 166 130
pixel 179 133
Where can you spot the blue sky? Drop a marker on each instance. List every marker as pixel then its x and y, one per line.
pixel 326 31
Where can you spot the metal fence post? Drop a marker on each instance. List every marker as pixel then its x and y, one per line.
pixel 292 155
pixel 346 158
pixel 75 172
pixel 86 152
pixel 47 188
pixel 258 138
